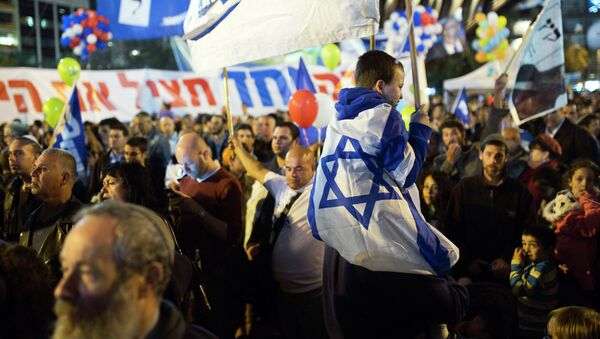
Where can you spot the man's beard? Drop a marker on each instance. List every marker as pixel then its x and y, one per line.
pixel 493 171
pixel 118 318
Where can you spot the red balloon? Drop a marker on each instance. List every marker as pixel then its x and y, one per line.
pixel 97 32
pixel 91 48
pixel 84 23
pixel 91 13
pixel 92 22
pixel 74 42
pixel 303 108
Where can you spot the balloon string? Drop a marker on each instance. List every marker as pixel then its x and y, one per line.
pixel 305 137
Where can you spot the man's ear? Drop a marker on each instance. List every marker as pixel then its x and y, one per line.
pixel 379 86
pixel 64 179
pixel 296 141
pixel 154 275
pixel 480 155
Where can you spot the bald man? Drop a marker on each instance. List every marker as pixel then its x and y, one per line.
pixel 297 257
pixel 52 181
pixel 211 225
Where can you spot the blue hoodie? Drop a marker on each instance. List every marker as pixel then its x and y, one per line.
pixel 353 101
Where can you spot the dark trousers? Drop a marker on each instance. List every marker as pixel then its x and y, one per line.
pixel 301 314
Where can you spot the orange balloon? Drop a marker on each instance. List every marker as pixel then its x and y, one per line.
pixel 490 31
pixel 479 17
pixel 480 57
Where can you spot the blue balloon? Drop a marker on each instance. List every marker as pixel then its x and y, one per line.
pixel 87 31
pixel 102 26
pixel 475 44
pixel 101 44
pixel 417 19
pixel 84 16
pixel 77 20
pixel 65 42
pixel 505 32
pixel 428 10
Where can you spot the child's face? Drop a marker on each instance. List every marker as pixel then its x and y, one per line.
pixel 532 249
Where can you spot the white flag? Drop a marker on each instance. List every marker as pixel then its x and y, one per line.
pixel 230 32
pixel 539 84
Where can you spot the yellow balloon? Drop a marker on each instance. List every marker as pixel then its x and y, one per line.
pixel 480 57
pixel 52 109
pixel 68 69
pixel 501 22
pixel 330 54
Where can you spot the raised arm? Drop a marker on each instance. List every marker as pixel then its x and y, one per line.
pixel 253 167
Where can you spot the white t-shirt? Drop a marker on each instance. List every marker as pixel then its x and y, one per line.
pixel 297 257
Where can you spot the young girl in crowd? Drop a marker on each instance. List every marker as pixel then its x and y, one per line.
pixel 533 280
pixel 575 217
pixel 573 322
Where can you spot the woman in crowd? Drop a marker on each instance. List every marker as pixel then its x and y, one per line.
pixel 575 216
pixel 129 182
pixel 435 193
pixel 573 323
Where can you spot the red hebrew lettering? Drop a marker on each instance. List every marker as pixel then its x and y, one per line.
pixel 33 93
pixel 328 77
pixel 61 89
pixel 20 103
pixel 129 84
pixel 93 96
pixel 153 88
pixel 174 91
pixel 191 86
pixel 3 93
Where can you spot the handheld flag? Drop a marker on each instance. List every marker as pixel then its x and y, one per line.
pixel 303 79
pixel 230 33
pixel 539 86
pixel 69 132
pixel 460 107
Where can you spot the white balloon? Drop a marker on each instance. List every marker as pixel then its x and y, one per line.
pixel 395 15
pixel 77 29
pixel 420 9
pixel 326 110
pixel 109 36
pixel 91 39
pixel 418 31
pixel 77 50
pixel 492 18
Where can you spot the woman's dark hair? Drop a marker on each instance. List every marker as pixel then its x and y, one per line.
pixel 579 164
pixel 444 188
pixel 25 293
pixel 136 179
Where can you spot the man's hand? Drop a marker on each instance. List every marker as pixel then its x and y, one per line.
pixel 421 117
pixel 500 84
pixel 453 153
pixel 499 87
pixel 500 269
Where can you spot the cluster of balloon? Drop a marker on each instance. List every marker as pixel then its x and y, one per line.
pixel 85 31
pixel 69 71
pixel 492 33
pixel 330 55
pixel 427 28
pixel 308 109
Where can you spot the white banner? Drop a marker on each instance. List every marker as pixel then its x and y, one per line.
pixel 123 93
pixel 242 31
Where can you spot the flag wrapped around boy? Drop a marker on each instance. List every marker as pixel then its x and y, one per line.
pixel 364 202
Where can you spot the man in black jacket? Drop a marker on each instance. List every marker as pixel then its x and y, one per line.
pixel 22 153
pixel 486 214
pixel 575 141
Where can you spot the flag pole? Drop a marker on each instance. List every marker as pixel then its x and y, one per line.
pixel 529 29
pixel 413 54
pixel 372 38
pixel 227 109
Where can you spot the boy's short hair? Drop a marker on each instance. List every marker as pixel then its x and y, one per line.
pixel 139 142
pixel 373 66
pixel 544 235
pixel 294 131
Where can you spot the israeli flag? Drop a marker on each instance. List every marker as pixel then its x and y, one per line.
pixel 204 15
pixel 69 133
pixel 460 107
pixel 364 202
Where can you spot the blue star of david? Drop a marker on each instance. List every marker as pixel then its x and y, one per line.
pixel 368 199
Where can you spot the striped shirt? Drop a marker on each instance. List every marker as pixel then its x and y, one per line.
pixel 536 289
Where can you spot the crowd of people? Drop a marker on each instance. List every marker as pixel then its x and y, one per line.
pixel 179 230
